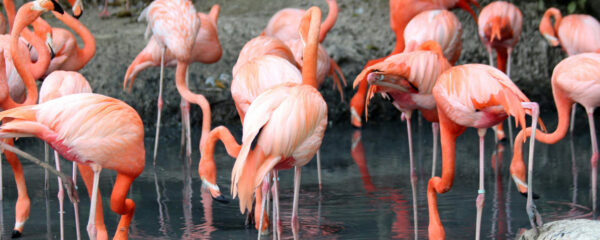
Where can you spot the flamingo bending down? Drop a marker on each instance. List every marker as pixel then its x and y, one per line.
pixel 576 33
pixel 401 12
pixel 75 126
pixel 500 26
pixel 55 85
pixel 471 95
pixel 575 79
pixel 175 26
pixel 438 25
pixel 281 143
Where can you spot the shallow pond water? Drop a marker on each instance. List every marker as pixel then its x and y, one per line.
pixel 366 191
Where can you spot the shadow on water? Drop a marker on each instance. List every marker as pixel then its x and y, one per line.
pixel 366 194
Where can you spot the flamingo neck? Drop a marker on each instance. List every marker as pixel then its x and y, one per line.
pixel 330 20
pixel 198 99
pixel 85 54
pixel 501 58
pixel 309 62
pixel 9 6
pixel 24 17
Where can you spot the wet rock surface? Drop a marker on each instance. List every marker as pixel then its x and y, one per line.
pixel 581 229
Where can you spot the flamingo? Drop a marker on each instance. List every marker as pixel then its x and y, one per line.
pixel 284 24
pixel 18 55
pixel 500 25
pixel 401 12
pixel 75 126
pixel 175 25
pixel 104 13
pixel 9 6
pixel 439 25
pixel 2 24
pixel 472 95
pixel 55 85
pixel 576 33
pixel 574 80
pixel 281 143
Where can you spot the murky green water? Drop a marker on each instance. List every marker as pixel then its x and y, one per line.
pixel 366 193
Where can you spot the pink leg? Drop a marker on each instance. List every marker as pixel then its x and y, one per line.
pixel 76 204
pixel 594 159
pixel 265 191
pixel 104 12
pixel 573 110
pixel 276 221
pixel 61 197
pixel 481 191
pixel 185 124
pixel 319 168
pixel 435 128
pixel 295 225
pixel 534 217
pixel 159 104
pixel 413 175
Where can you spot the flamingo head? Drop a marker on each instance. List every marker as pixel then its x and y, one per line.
pixel 77 8
pixel 47 5
pixel 498 29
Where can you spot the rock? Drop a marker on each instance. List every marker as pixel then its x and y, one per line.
pixel 580 229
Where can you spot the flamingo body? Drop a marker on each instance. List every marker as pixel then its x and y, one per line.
pixel 441 26
pixel 577 33
pixel 500 24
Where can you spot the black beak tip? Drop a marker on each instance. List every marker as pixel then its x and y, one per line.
pixel 222 199
pixel 535 196
pixel 57 7
pixel 52 54
pixel 78 16
pixel 16 234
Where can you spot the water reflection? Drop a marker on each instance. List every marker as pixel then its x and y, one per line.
pixel 366 192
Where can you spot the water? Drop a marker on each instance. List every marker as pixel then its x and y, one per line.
pixel 366 192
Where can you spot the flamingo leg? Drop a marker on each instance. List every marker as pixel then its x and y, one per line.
pixel 76 204
pixel 594 159
pixel 265 190
pixel 297 177
pixel 490 55
pixel 319 168
pixel 508 60
pixel 159 103
pixel 276 221
pixel 104 12
pixel 534 217
pixel 573 110
pixel 413 175
pixel 46 160
pixel 23 203
pixel 188 132
pixel 91 227
pixel 1 183
pixel 481 192
pixel 510 131
pixel 435 128
pixel 88 180
pixel 61 197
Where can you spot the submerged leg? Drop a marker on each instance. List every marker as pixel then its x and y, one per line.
pixel 297 177
pixel 91 227
pixel 265 190
pixel 573 110
pixel 159 103
pixel 510 132
pixel 88 179
pixel 594 159
pixel 61 197
pixel 76 204
pixel 481 191
pixel 413 174
pixel 276 221
pixel 319 168
pixel 186 131
pixel 534 217
pixel 435 128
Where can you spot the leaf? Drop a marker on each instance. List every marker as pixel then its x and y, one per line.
pixel 571 7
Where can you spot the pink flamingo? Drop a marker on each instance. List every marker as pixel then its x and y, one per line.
pixel 472 95
pixel 500 26
pixel 574 80
pixel 401 12
pixel 284 24
pixel 576 33
pixel 176 28
pixel 55 85
pixel 75 126
pixel 438 25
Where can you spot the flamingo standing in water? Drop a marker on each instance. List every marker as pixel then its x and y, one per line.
pixel 175 26
pixel 20 58
pixel 478 96
pixel 500 26
pixel 55 85
pixel 575 79
pixel 401 12
pixel 576 33
pixel 75 126
pixel 281 143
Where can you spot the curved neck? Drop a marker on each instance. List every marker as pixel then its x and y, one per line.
pixel 207 168
pixel 214 13
pixel 11 11
pixel 552 12
pixel 330 20
pixel 24 17
pixel 198 99
pixel 310 37
pixel 85 54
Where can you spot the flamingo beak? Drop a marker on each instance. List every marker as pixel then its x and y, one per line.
pixel 50 45
pixel 57 7
pixel 77 9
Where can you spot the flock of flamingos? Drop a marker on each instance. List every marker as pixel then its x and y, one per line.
pixel 274 86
